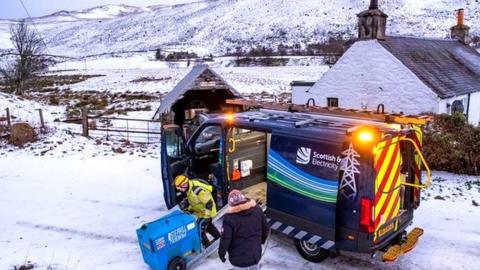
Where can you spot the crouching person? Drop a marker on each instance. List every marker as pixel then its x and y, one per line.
pixel 244 231
pixel 200 203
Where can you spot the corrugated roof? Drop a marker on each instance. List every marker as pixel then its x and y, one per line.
pixel 185 84
pixel 448 67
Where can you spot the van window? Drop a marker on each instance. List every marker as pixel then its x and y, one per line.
pixel 175 143
pixel 206 151
pixel 210 133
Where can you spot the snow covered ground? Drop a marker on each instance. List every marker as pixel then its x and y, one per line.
pixel 125 74
pixel 79 210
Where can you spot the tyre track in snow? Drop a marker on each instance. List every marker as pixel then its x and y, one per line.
pixel 79 233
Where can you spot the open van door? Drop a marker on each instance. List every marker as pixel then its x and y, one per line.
pixel 174 161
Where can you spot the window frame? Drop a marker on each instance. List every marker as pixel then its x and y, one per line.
pixel 332 100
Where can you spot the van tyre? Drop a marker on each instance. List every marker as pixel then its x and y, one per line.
pixel 311 252
pixel 177 264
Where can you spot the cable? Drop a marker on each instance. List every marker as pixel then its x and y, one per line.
pixel 34 26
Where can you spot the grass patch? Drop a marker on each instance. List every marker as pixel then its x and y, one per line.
pixel 150 79
pixel 49 82
pixel 472 184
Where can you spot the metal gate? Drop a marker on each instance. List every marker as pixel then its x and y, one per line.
pixel 130 129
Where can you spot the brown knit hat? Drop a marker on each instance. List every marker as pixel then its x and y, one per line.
pixel 236 197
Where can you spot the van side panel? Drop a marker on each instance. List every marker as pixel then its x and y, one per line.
pixel 387 162
pixel 303 183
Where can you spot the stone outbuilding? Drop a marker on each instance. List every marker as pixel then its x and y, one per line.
pixel 201 90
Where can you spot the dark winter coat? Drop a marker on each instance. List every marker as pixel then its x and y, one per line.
pixel 244 231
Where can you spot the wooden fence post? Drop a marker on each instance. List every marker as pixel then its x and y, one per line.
pixel 84 122
pixel 9 122
pixel 42 123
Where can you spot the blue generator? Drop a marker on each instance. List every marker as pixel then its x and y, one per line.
pixel 170 242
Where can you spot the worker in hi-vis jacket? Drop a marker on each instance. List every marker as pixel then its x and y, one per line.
pixel 199 202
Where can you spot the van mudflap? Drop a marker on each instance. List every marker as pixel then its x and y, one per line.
pixel 405 245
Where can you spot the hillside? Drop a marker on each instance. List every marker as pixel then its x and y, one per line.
pixel 101 12
pixel 222 25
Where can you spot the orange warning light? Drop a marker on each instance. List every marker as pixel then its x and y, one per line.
pixel 365 136
pixel 230 118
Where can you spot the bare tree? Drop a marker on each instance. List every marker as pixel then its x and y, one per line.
pixel 28 61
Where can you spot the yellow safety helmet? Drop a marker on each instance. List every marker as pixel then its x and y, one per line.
pixel 180 180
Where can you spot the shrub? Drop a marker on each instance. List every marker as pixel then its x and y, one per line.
pixel 159 55
pixel 451 144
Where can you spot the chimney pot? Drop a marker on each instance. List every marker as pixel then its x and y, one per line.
pixel 461 31
pixel 460 17
pixel 372 22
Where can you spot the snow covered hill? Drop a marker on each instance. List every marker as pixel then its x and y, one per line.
pixel 221 25
pixel 101 12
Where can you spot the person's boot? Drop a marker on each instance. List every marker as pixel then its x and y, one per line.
pixel 206 243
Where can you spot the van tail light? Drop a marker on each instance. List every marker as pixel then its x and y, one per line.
pixel 367 223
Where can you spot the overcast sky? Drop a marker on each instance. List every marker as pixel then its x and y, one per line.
pixel 12 9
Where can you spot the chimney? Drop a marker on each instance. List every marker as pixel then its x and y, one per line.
pixel 460 31
pixel 372 22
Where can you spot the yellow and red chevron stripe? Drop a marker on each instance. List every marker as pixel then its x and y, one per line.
pixel 387 159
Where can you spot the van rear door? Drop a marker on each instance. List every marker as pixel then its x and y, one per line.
pixel 387 164
pixel 174 161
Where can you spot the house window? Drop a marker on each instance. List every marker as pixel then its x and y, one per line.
pixel 457 107
pixel 332 102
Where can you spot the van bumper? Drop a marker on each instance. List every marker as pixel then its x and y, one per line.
pixel 366 244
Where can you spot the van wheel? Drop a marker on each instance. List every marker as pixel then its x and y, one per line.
pixel 311 252
pixel 177 264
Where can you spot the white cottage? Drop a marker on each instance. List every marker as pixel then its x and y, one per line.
pixel 405 74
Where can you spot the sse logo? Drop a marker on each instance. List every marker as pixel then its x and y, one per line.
pixel 303 155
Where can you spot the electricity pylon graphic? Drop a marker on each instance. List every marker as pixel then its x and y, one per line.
pixel 348 186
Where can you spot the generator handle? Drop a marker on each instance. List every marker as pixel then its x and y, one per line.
pixel 427 168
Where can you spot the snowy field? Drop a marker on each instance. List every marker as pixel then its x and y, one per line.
pixel 121 74
pixel 71 203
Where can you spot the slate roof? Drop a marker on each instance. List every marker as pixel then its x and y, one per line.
pixel 185 84
pixel 301 83
pixel 448 67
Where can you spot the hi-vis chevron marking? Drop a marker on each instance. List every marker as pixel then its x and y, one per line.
pixel 387 192
pixel 300 234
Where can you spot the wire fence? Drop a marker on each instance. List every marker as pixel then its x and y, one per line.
pixel 129 129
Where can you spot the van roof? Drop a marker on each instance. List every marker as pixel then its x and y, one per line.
pixel 292 122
